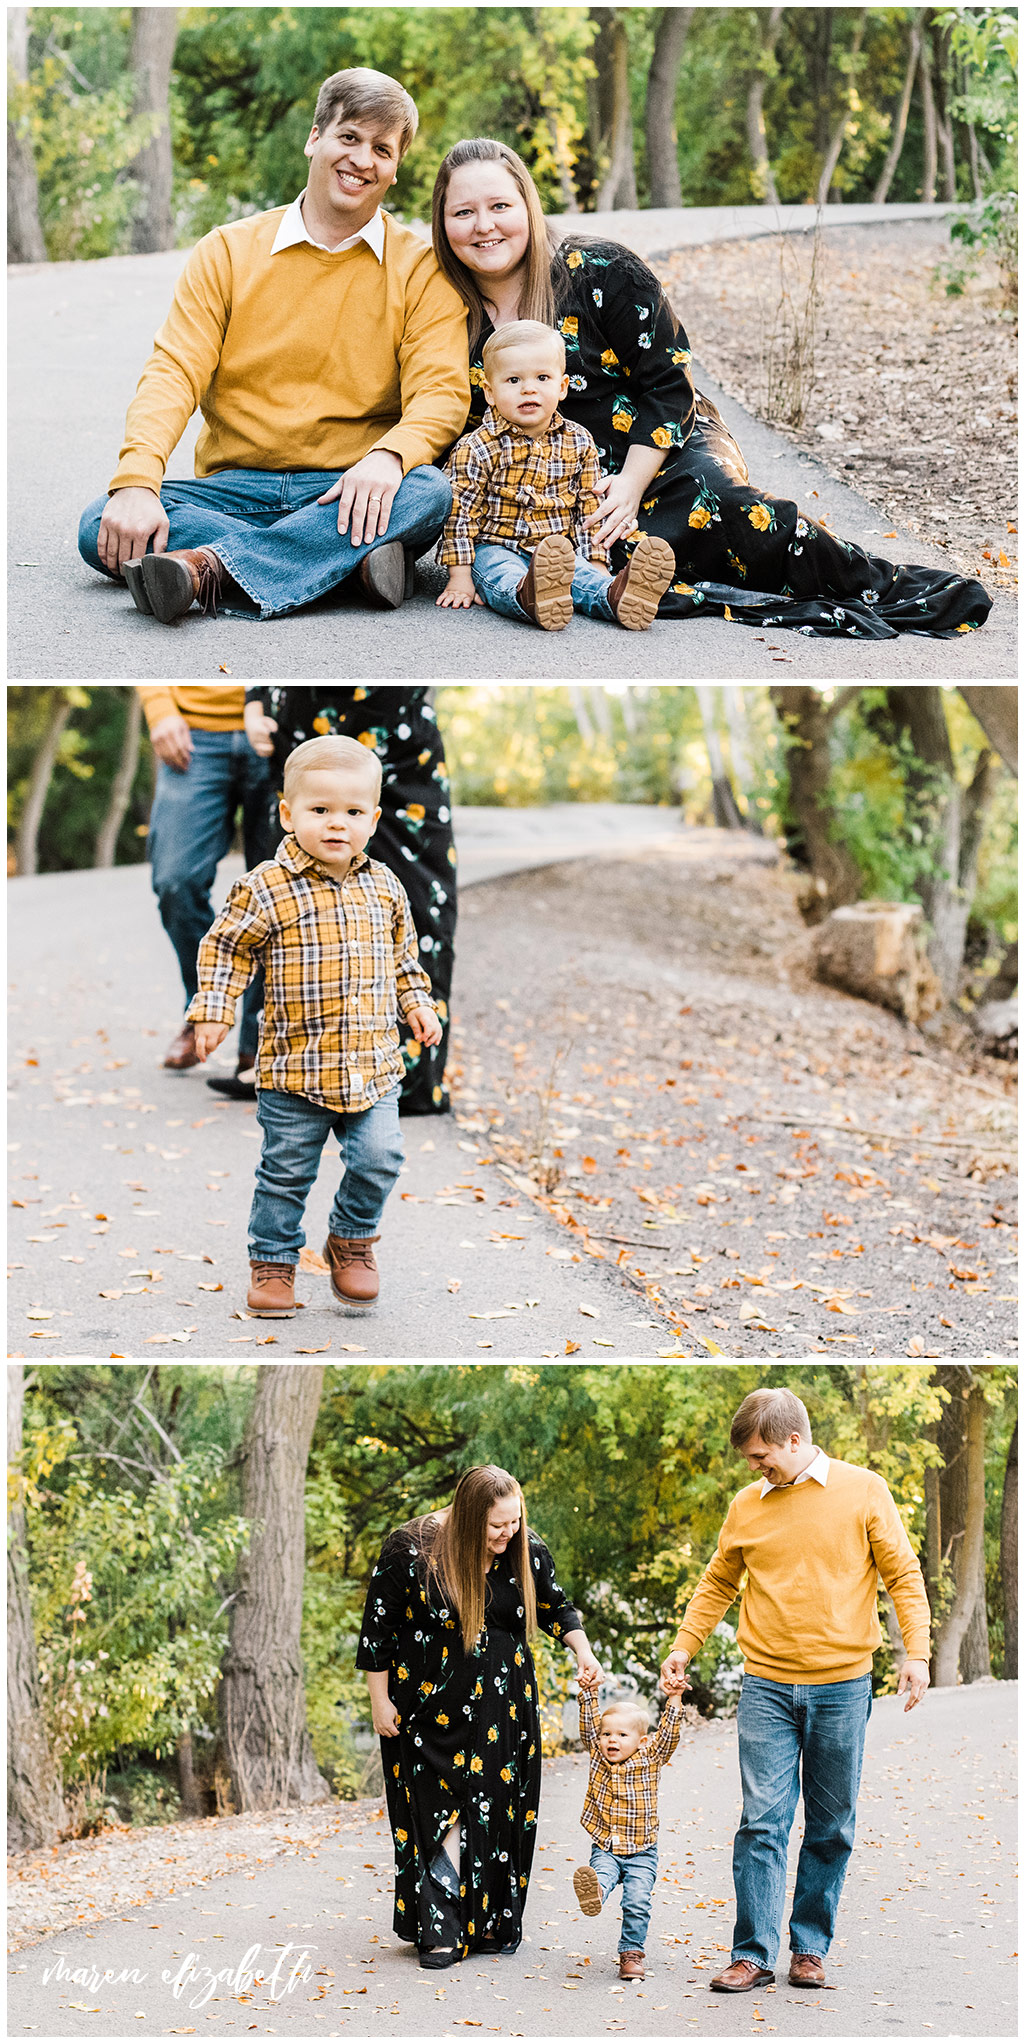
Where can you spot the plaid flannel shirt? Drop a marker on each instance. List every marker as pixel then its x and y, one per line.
pixel 511 491
pixel 341 961
pixel 621 1806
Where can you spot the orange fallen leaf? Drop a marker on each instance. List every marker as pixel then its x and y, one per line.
pixel 571 1348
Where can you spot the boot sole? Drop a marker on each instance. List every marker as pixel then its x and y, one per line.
pixel 354 1305
pixel 387 574
pixel 271 1312
pixel 588 1891
pixel 716 1987
pixel 554 565
pixel 169 587
pixel 651 569
pixel 135 579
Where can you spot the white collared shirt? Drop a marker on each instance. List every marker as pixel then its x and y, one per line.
pixel 818 1469
pixel 293 229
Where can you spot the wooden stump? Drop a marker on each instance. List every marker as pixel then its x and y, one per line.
pixel 876 949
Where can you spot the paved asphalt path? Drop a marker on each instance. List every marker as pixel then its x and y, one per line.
pixel 137 1182
pixel 78 336
pixel 926 1939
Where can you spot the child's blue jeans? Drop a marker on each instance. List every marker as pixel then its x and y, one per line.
pixel 637 1872
pixel 282 547
pixel 294 1133
pixel 498 571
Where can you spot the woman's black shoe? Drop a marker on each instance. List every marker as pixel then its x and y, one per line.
pixel 238 1088
pixel 436 1958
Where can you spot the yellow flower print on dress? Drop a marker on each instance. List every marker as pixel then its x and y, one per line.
pixel 623 415
pixel 574 260
pixel 762 517
pixel 322 726
pixel 682 357
pixel 476 377
pixel 739 566
pixel 511 1710
pixel 506 1774
pixel 459 1760
pixel 399 1905
pixel 492 1734
pixel 402 1837
pixel 403 1672
pixel 662 436
pixel 609 359
pixel 425 1688
pixel 568 328
pixel 359 695
pixel 530 1817
pixel 682 589
pixel 415 812
pixel 441 1718
pixel 476 1765
pixel 699 517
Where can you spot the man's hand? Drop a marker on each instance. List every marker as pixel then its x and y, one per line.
pixel 208 1036
pixel 171 740
pixel 673 1673
pixel 365 495
pixel 425 1024
pixel 131 519
pixel 386 1721
pixel 259 730
pixel 458 592
pixel 913 1676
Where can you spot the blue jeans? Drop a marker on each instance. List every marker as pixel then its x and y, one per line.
pixel 191 827
pixel 281 546
pixel 498 571
pixel 785 1730
pixel 637 1872
pixel 294 1133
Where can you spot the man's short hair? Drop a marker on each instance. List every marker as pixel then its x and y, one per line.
pixel 518 333
pixel 634 1713
pixel 772 1414
pixel 361 95
pixel 320 755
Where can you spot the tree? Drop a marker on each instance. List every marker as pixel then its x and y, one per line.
pixel 25 242
pixel 262 1704
pixel 1008 1561
pixel 57 706
pixel 848 115
pixel 660 126
pixel 123 782
pixel 899 130
pixel 947 819
pixel 996 711
pixel 959 1502
pixel 807 721
pixel 35 1804
pixel 611 115
pixel 154 34
pixel 762 180
pixel 727 809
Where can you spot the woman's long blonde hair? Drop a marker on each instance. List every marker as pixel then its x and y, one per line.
pixel 538 298
pixel 455 1549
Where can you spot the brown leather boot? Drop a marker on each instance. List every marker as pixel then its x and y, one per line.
pixel 174 582
pixel 741 1976
pixel 355 1280
pixel 182 1054
pixel 545 592
pixel 638 588
pixel 271 1294
pixel 631 1965
pixel 806 1969
pixel 388 574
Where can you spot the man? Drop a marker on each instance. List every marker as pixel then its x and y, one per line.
pixel 207 771
pixel 327 354
pixel 813 1535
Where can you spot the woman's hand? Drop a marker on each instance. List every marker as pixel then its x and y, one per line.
pixel 617 516
pixel 259 730
pixel 589 1672
pixel 386 1721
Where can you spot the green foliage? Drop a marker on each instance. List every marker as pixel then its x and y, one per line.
pixel 78 106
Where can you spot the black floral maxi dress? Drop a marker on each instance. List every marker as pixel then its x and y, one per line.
pixel 741 553
pixel 414 835
pixel 469 1745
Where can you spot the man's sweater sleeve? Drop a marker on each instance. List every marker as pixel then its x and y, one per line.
pixel 717 1588
pixel 185 355
pixel 899 1569
pixel 433 365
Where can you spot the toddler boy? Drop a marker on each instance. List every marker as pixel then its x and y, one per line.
pixel 621 1813
pixel 524 486
pixel 334 933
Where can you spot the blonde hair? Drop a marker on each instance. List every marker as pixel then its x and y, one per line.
pixel 537 299
pixel 634 1714
pixel 362 95
pixel 455 1549
pixel 318 755
pixel 519 333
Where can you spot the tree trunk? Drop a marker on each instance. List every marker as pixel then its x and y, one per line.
pixel 662 78
pixel 35 1807
pixel 762 181
pixel 154 34
pixel 25 242
pixel 881 191
pixel 124 780
pixel 943 113
pixel 995 709
pixel 189 1791
pixel 26 843
pixel 613 143
pixel 581 711
pixel 736 719
pixel 972 157
pixel 262 1702
pixel 835 876
pixel 835 147
pixel 1008 1561
pixel 931 156
pixel 962 1504
pixel 950 819
pixel 727 809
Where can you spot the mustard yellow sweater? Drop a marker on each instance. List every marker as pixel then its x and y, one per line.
pixel 812 1557
pixel 302 360
pixel 217 707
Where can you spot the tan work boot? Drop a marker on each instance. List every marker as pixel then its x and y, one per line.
pixel 631 1965
pixel 806 1969
pixel 741 1976
pixel 355 1279
pixel 588 1890
pixel 172 583
pixel 271 1294
pixel 638 588
pixel 545 592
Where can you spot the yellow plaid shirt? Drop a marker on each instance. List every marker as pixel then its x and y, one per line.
pixel 341 962
pixel 510 490
pixel 621 1806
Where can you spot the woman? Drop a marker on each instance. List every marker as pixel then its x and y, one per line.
pixel 413 837
pixel 672 468
pixel 450 1609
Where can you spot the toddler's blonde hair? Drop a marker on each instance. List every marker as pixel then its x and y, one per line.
pixel 517 333
pixel 322 754
pixel 634 1713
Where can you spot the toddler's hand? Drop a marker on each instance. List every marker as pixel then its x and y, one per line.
pixel 208 1036
pixel 459 593
pixel 425 1024
pixel 259 730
